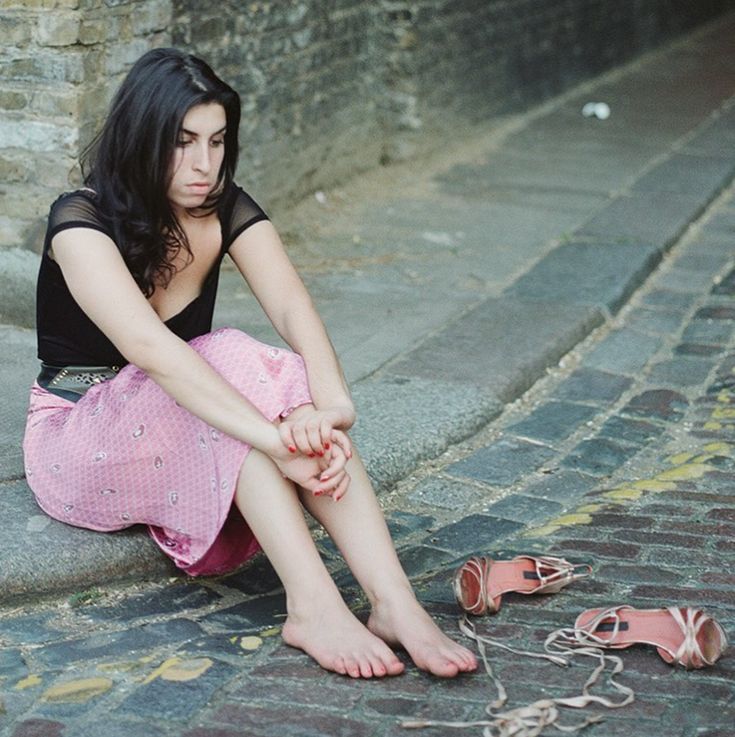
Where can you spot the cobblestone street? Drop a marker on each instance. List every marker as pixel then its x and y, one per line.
pixel 623 457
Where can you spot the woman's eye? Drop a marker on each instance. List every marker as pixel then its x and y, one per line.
pixel 218 143
pixel 182 142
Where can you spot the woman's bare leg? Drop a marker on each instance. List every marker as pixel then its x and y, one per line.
pixel 357 525
pixel 318 621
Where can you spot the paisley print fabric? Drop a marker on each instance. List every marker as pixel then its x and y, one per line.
pixel 126 453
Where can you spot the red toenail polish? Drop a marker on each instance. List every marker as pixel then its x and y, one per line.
pixel 326 446
pixel 311 455
pixel 291 448
pixel 320 453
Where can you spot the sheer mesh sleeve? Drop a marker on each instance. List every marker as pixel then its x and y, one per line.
pixel 242 212
pixel 74 210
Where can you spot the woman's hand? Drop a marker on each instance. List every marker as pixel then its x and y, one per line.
pixel 311 433
pixel 323 475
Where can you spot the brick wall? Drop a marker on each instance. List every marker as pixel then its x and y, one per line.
pixel 60 60
pixel 307 73
pixel 329 87
pixel 450 63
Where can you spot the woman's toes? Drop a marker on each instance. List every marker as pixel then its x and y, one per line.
pixel 379 670
pixel 443 668
pixel 396 668
pixel 470 662
pixel 366 670
pixel 340 667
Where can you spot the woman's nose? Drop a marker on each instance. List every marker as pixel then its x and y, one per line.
pixel 202 159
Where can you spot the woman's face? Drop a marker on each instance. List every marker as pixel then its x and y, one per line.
pixel 200 150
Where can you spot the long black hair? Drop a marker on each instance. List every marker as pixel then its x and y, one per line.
pixel 128 164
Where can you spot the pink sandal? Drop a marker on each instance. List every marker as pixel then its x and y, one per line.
pixel 480 582
pixel 682 635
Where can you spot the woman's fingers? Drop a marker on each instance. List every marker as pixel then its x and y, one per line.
pixel 306 437
pixel 284 430
pixel 314 437
pixel 328 487
pixel 343 441
pixel 301 439
pixel 341 489
pixel 337 461
pixel 325 431
pixel 336 487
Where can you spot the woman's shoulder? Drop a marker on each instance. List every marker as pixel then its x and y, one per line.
pixel 239 212
pixel 76 208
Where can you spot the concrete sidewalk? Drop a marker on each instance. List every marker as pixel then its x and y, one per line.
pixel 450 286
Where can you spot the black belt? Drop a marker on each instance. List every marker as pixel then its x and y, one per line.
pixel 71 382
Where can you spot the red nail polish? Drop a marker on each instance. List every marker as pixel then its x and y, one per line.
pixel 311 455
pixel 327 446
pixel 319 492
pixel 291 448
pixel 320 453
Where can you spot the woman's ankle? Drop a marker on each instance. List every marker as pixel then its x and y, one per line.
pixel 307 603
pixel 390 593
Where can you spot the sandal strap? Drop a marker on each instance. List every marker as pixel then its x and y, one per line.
pixel 585 635
pixel 689 653
pixel 480 568
pixel 556 572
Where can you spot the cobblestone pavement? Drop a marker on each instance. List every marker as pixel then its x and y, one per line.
pixel 623 457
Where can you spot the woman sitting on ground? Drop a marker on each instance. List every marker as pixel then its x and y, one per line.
pixel 214 440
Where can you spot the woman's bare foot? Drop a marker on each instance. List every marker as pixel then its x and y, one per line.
pixel 401 620
pixel 339 642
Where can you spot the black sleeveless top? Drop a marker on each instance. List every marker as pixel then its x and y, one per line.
pixel 66 336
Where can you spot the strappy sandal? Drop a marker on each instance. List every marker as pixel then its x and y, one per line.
pixel 682 635
pixel 480 582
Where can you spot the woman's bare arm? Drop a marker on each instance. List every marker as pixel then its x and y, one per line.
pixel 262 260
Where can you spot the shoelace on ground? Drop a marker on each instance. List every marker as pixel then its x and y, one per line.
pixel 561 647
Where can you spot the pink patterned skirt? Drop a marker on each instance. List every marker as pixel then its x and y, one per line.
pixel 126 453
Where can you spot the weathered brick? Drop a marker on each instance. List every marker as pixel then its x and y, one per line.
pixel 602 549
pixel 39 728
pixel 722 514
pixel 637 574
pixel 154 15
pixel 93 31
pixel 40 135
pixel 624 521
pixel 719 579
pixel 715 312
pixel 16 30
pixel 662 404
pixel 39 4
pixel 58 28
pixel 304 721
pixel 725 545
pixel 12 100
pixel 598 456
pixel 14 169
pixel 648 537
